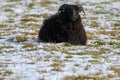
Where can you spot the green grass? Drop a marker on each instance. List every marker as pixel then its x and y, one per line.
pixel 77 64
pixel 9 51
pixel 101 12
pixel 100 42
pixel 94 61
pixel 8 72
pixel 1 65
pixel 105 2
pixel 45 3
pixel 67 44
pixel 69 56
pixel 13 0
pixel 100 6
pixel 3 25
pixel 96 54
pixel 11 20
pixel 54 47
pixel 117 24
pixel 105 32
pixel 86 67
pixel 90 77
pixel 31 49
pixel 3 47
pixel 8 10
pixel 45 15
pixel 97 48
pixel 32 62
pixel 31 5
pixel 4 33
pixel 118 46
pixel 27 45
pixel 86 77
pixel 33 15
pixel 113 43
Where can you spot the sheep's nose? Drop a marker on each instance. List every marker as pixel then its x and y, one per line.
pixel 74 17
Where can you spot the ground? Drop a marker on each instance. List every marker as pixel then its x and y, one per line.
pixel 23 58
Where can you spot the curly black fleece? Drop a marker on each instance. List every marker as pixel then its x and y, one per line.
pixel 64 26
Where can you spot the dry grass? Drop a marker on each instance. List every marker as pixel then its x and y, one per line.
pixel 57 65
pixel 90 77
pixel 7 73
pixel 2 78
pixel 3 25
pixel 45 3
pixel 103 39
pixel 6 47
pixel 116 70
pixel 21 38
pixel 94 61
pixel 90 35
pixel 28 45
pixel 29 19
pixel 86 77
pixel 94 24
pixel 112 33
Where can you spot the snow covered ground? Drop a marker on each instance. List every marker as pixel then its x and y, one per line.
pixel 23 58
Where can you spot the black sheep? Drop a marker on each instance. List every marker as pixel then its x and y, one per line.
pixel 65 26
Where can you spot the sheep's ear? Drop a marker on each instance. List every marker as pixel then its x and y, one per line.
pixel 63 7
pixel 81 9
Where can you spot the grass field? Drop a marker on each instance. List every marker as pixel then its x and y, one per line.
pixel 23 58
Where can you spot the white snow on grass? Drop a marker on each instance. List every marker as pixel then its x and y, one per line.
pixel 30 60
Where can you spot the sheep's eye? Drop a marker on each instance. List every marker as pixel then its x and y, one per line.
pixel 63 10
pixel 59 11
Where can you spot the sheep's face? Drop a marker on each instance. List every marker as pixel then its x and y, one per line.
pixel 70 12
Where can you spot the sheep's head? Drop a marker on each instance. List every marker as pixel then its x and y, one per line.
pixel 70 12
